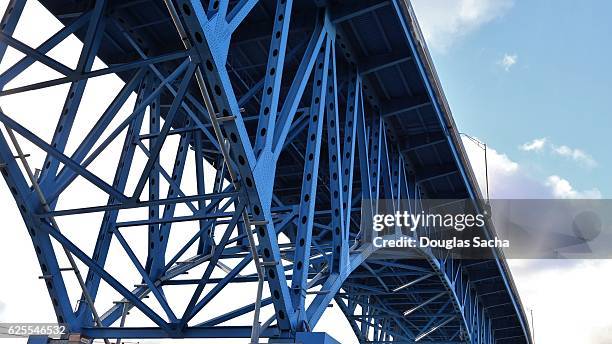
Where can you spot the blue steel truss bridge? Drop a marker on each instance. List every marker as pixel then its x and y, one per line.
pixel 286 117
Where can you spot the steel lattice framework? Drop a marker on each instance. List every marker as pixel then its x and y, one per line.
pixel 305 109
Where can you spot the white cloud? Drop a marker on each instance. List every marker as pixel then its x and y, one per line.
pixel 575 154
pixel 602 334
pixel 444 22
pixel 534 145
pixel 509 180
pixel 544 286
pixel 562 188
pixel 499 163
pixel 508 61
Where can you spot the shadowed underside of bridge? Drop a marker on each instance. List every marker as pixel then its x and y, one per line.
pixel 306 109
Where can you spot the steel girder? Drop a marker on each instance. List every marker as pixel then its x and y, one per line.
pixel 299 138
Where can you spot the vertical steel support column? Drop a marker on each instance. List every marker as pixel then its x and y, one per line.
pixel 339 245
pixel 364 151
pixel 272 80
pixel 375 159
pixel 154 181
pixel 405 188
pixel 204 243
pixel 394 172
pixel 385 165
pixel 309 182
pixel 159 260
pixel 348 150
pixel 217 187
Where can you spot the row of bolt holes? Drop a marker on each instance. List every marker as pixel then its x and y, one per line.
pixel 311 157
pixel 272 71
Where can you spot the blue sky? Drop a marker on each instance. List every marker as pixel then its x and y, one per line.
pixel 515 71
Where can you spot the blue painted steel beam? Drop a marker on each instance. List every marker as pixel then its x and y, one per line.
pixel 74 77
pixel 339 243
pixel 47 61
pixel 310 179
pixel 272 81
pixel 192 332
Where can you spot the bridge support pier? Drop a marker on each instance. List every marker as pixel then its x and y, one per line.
pixel 74 338
pixel 315 338
pixel 309 338
pixel 38 339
